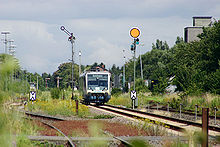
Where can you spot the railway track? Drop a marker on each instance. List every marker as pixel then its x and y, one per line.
pixel 173 123
pixel 43 119
pixel 69 143
pixel 163 108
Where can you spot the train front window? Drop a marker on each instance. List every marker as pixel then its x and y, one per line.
pixel 97 80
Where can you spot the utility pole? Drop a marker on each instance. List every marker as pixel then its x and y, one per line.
pixel 46 81
pixel 142 77
pixel 80 54
pixel 37 82
pixel 10 46
pixel 58 81
pixel 5 40
pixel 26 82
pixel 124 72
pixel 72 41
pixel 11 50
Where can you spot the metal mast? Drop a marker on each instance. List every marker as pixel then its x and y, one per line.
pixel 5 40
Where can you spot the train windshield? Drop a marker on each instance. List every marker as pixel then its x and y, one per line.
pixel 98 80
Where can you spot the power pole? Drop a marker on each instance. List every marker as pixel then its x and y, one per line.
pixel 12 50
pixel 124 72
pixel 142 77
pixel 58 81
pixel 46 81
pixel 10 46
pixel 37 82
pixel 5 40
pixel 80 54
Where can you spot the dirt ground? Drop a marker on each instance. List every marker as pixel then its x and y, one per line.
pixel 89 128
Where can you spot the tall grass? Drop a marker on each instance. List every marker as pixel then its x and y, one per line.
pixel 11 123
pixel 122 99
pixel 189 101
pixel 7 65
pixel 58 107
pixel 143 99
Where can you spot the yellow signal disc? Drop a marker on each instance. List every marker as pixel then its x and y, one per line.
pixel 135 32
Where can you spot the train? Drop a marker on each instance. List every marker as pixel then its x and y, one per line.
pixel 95 86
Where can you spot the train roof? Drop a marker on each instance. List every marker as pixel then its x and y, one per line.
pixel 95 72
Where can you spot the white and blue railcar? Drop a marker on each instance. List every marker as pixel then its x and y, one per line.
pixel 95 86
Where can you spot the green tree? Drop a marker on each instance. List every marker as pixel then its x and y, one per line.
pixel 196 64
pixel 65 72
pixel 160 45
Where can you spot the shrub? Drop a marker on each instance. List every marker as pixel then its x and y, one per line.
pixel 102 116
pixel 58 107
pixel 116 91
pixel 140 86
pixel 55 93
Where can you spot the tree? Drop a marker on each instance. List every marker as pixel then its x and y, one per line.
pixel 179 40
pixel 65 72
pixel 160 45
pixel 196 64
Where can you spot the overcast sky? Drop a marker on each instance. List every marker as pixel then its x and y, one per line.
pixel 101 28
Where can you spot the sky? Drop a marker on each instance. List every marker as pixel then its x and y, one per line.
pixel 101 28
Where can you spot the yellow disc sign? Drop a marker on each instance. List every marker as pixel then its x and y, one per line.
pixel 134 32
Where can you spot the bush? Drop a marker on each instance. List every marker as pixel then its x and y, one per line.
pixel 116 91
pixel 55 93
pixel 160 86
pixel 122 99
pixel 58 107
pixel 140 86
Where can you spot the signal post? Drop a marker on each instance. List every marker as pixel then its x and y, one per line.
pixel 72 41
pixel 135 33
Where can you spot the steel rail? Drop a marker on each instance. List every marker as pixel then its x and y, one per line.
pixel 50 125
pixel 217 129
pixel 184 112
pixel 44 116
pixel 117 138
pixel 176 128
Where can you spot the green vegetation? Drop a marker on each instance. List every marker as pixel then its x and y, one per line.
pixel 58 107
pixel 11 122
pixel 194 67
pixel 153 129
pixel 116 91
pixel 123 99
pixel 102 116
pixel 206 100
pixel 58 104
pixel 55 93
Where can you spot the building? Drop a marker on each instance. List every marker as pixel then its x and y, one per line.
pixel 191 33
